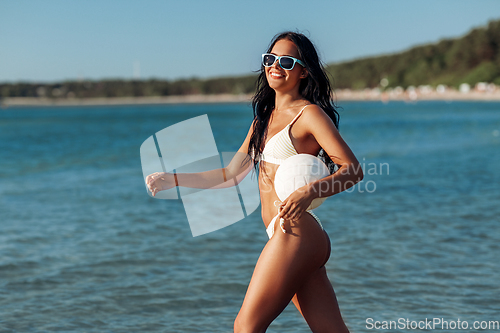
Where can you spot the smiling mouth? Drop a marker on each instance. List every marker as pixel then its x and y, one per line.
pixel 276 75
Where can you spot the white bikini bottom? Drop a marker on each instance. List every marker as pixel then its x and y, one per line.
pixel 270 227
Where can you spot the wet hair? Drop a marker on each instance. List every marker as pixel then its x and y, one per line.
pixel 315 88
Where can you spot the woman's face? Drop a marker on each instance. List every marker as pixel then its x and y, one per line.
pixel 280 79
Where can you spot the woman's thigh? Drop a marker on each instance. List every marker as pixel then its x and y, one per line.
pixel 317 303
pixel 284 265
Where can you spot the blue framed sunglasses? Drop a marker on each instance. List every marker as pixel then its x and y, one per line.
pixel 285 62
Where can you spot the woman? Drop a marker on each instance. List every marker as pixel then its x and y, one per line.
pixel 293 114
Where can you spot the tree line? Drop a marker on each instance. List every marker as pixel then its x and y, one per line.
pixel 131 88
pixel 472 58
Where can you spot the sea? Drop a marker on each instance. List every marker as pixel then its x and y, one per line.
pixel 84 248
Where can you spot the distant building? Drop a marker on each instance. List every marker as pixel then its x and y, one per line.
pixel 464 88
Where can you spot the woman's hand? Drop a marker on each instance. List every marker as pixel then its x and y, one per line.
pixel 296 204
pixel 160 181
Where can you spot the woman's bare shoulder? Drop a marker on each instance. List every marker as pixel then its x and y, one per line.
pixel 313 113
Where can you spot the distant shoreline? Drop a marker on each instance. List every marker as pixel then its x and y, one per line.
pixel 187 99
pixel 416 95
pixel 340 96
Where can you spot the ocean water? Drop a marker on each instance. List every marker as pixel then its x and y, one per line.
pixel 83 248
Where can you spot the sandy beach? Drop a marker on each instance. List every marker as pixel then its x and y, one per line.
pixel 423 94
pixel 195 99
pixel 340 95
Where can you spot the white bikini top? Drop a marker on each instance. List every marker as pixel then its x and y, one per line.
pixel 280 146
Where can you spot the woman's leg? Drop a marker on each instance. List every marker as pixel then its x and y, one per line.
pixel 317 303
pixel 285 264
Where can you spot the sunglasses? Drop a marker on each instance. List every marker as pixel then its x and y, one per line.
pixel 285 62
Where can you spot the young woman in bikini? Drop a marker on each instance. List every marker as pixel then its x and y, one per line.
pixel 293 114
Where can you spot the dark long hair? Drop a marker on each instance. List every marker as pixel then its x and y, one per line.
pixel 315 88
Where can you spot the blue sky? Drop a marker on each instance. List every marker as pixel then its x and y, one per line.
pixel 47 41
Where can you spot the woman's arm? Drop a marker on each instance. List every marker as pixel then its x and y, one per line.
pixel 233 174
pixel 328 137
pixel 316 123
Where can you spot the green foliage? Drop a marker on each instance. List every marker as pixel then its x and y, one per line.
pixel 485 72
pixel 122 88
pixel 472 58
